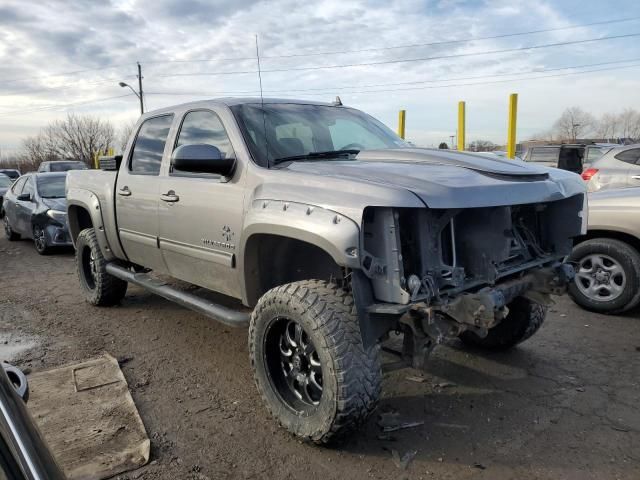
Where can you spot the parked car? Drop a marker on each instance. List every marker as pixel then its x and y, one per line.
pixel 5 183
pixel 335 232
pixel 574 158
pixel 618 168
pixel 24 454
pixel 35 207
pixel 607 258
pixel 62 166
pixel 12 173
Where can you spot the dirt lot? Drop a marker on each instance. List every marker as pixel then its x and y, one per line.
pixel 564 405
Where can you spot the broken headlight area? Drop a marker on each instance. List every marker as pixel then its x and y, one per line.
pixel 432 256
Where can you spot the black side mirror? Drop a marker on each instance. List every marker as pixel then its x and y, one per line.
pixel 24 197
pixel 201 158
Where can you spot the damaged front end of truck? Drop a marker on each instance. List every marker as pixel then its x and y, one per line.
pixel 433 274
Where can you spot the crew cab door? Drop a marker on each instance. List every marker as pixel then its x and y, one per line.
pixel 137 193
pixel 200 214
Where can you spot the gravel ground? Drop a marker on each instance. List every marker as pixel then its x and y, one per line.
pixel 564 405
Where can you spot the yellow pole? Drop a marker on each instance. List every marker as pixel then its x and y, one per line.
pixel 96 164
pixel 461 125
pixel 511 134
pixel 402 115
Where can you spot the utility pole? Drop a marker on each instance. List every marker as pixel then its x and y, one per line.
pixel 140 88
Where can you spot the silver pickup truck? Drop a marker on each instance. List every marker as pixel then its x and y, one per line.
pixel 335 233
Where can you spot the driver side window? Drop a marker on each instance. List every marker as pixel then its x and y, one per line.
pixel 17 187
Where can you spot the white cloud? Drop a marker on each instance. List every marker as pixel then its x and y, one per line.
pixel 39 39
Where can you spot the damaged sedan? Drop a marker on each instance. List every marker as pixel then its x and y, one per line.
pixel 35 207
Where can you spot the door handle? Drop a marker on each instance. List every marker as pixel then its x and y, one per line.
pixel 124 191
pixel 170 197
pixel 635 177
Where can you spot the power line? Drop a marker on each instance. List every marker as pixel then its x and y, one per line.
pixel 70 87
pixel 64 105
pixel 64 74
pixel 449 42
pixel 406 60
pixel 336 89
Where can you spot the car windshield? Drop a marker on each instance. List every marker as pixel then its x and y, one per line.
pixel 5 182
pixel 282 130
pixel 51 187
pixel 65 166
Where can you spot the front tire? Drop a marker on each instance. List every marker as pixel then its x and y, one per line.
pixel 523 320
pixel 40 240
pixel 8 231
pixel 310 365
pixel 99 287
pixel 607 275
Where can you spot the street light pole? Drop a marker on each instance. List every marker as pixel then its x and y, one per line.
pixel 139 93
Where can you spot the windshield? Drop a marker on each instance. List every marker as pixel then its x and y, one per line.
pixel 65 166
pixel 51 187
pixel 294 130
pixel 5 182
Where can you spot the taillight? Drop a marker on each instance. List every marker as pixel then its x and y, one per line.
pixel 589 173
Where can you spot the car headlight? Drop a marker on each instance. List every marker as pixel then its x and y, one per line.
pixel 58 215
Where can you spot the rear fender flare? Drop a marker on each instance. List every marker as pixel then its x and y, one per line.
pixel 87 201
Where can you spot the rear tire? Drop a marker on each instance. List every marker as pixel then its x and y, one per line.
pixel 310 365
pixel 612 269
pixel 8 231
pixel 524 319
pixel 99 287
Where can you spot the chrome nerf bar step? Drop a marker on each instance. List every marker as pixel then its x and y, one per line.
pixel 222 314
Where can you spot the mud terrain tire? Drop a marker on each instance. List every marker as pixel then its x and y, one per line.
pixel 98 286
pixel 524 319
pixel 350 376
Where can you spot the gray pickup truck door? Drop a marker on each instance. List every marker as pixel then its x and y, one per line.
pixel 200 215
pixel 137 194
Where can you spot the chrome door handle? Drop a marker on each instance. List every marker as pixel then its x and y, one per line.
pixel 124 191
pixel 170 197
pixel 635 177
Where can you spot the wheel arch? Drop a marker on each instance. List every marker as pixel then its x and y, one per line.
pixel 83 211
pixel 622 236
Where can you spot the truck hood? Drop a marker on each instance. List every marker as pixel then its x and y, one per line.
pixel 445 179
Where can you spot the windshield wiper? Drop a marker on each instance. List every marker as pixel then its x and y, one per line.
pixel 315 155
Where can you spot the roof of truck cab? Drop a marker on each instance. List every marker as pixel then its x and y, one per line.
pixel 232 101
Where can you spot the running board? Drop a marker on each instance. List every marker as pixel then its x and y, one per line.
pixel 225 315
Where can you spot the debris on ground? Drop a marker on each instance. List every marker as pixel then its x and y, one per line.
pixel 443 385
pixel 391 422
pixel 402 462
pixel 416 378
pixel 479 466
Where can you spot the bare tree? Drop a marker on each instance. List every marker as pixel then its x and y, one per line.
pixel 76 137
pixel 629 124
pixel 482 146
pixel 124 133
pixel 573 123
pixel 607 126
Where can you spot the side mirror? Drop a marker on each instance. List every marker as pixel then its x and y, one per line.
pixel 24 197
pixel 201 158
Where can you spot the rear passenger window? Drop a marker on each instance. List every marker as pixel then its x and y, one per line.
pixel 17 187
pixel 544 155
pixel 147 151
pixel 629 156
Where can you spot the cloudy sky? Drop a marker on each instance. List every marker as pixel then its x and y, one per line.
pixel 69 55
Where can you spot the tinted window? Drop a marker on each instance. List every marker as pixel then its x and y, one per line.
pixel 629 156
pixel 544 155
pixel 147 151
pixel 66 166
pixel 594 153
pixel 51 186
pixel 29 187
pixel 205 127
pixel 17 187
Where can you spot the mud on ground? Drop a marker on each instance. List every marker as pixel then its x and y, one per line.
pixel 564 405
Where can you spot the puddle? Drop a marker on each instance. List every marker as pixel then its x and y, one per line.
pixel 12 345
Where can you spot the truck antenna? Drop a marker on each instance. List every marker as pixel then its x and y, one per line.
pixel 264 117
